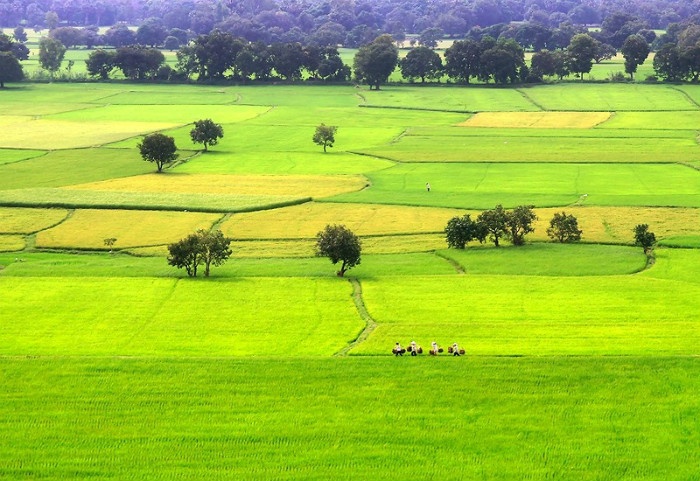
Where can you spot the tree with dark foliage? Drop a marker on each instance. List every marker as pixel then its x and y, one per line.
pixel 158 148
pixel 462 230
pixel 376 61
pixel 325 135
pixel 644 238
pixel 206 132
pixel 564 228
pixel 339 244
pixel 10 69
pixel 519 223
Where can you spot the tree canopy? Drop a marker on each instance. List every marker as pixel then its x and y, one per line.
pixel 339 244
pixel 563 227
pixel 158 148
pixel 203 247
pixel 206 132
pixel 375 62
pixel 10 69
pixel 644 238
pixel 325 135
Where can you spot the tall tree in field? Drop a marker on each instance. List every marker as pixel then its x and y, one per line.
pixel 186 253
pixel 215 248
pixel 668 63
pixel 206 132
pixel 51 53
pixel 494 222
pixel 462 230
pixel 463 60
pixel 339 244
pixel 375 62
pixel 582 51
pixel 564 228
pixel 644 238
pixel 101 62
pixel 10 69
pixel 158 148
pixel 519 223
pixel 325 135
pixel 421 62
pixel 635 50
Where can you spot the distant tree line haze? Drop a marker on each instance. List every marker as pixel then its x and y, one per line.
pixel 333 22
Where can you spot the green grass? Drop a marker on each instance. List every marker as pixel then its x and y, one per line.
pixel 609 97
pixel 559 260
pixel 361 419
pixel 483 185
pixel 9 156
pixel 169 317
pixel 67 167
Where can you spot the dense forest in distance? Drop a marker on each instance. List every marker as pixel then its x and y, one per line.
pixel 256 19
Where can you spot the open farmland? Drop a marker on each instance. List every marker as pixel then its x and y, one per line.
pixel 581 359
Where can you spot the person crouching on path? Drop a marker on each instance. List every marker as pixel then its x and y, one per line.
pixel 434 349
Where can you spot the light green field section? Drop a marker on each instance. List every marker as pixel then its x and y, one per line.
pixel 527 315
pixel 9 156
pixel 540 145
pixel 362 419
pixel 11 243
pixel 27 133
pixel 684 120
pixel 300 96
pixel 306 220
pixel 162 116
pixel 36 96
pixel 280 162
pixel 89 228
pixel 483 185
pixel 609 97
pixel 537 120
pixel 151 317
pixel 467 99
pixel 549 259
pixel 66 167
pixel 26 221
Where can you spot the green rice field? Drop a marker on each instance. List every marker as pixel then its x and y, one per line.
pixel 581 360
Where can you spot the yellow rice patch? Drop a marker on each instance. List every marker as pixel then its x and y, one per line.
pixel 87 229
pixel 19 220
pixel 293 186
pixel 306 220
pixel 615 224
pixel 10 243
pixel 537 120
pixel 26 132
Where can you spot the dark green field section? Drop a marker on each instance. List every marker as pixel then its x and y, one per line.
pixel 444 418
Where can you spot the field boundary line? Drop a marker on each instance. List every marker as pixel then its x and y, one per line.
pixel 685 94
pixel 457 266
pixel 371 324
pixel 529 99
pixel 419 109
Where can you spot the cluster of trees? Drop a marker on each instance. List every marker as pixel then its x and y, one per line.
pixel 498 223
pixel 208 248
pixel 161 149
pixel 343 20
pixel 678 55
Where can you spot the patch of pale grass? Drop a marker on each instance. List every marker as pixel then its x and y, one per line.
pixel 11 243
pixel 306 220
pixel 255 185
pixel 539 120
pixel 17 220
pixel 87 229
pixel 615 224
pixel 56 134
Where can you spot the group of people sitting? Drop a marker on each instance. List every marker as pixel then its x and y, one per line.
pixel 414 349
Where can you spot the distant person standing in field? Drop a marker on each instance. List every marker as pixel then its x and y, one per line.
pixel 427 186
pixel 398 351
pixel 455 349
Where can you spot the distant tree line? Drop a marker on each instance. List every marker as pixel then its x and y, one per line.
pixel 272 21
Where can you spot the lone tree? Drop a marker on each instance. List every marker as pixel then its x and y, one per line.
pixel 206 132
pixel 374 62
pixel 10 69
pixel 644 237
pixel 325 135
pixel 158 148
pixel 202 247
pixel 494 222
pixel 635 50
pixel 51 53
pixel 519 223
pixel 338 243
pixel 462 230
pixel 564 228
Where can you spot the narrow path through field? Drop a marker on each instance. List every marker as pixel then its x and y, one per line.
pixel 529 99
pixel 364 314
pixel 685 94
pixel 457 266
